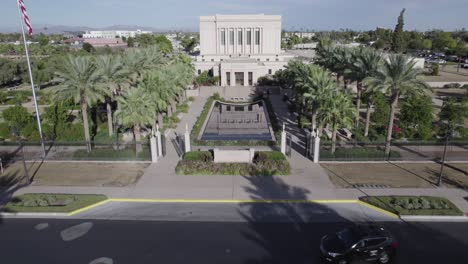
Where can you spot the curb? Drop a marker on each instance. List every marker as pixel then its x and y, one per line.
pixel 434 218
pixel 33 215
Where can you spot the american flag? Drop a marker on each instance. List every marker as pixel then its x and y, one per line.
pixel 25 17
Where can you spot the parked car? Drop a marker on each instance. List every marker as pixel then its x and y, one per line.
pixel 360 243
pixel 465 64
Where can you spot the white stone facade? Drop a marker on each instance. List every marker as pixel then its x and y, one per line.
pixel 114 34
pixel 240 48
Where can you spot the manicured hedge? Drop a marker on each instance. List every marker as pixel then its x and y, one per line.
pixel 265 163
pixel 198 155
pixel 414 205
pixel 64 203
pixel 357 154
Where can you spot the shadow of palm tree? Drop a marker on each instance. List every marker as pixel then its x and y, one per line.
pixel 297 240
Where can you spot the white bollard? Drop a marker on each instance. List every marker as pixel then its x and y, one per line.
pixel 316 149
pixel 187 139
pixel 158 141
pixel 283 141
pixel 154 150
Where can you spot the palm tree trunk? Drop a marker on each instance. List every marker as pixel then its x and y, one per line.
pixel 314 121
pixel 84 112
pixel 137 135
pixel 368 114
pixel 333 148
pixel 160 120
pixel 109 118
pixel 173 106
pixel 393 107
pixel 169 111
pixel 358 103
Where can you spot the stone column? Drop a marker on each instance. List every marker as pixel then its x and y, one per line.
pixel 159 141
pixel 187 139
pixel 154 148
pixel 244 40
pixel 233 78
pixel 246 78
pixel 218 41
pixel 316 149
pixel 283 141
pixel 235 41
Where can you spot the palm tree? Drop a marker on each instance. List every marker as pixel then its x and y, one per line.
pixel 338 111
pixel 134 110
pixel 366 64
pixel 397 77
pixel 154 85
pixel 78 78
pixel 317 85
pixel 134 62
pixel 112 72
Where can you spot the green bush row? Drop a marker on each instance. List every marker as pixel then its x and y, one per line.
pixel 266 168
pixel 414 205
pixel 198 155
pixel 357 153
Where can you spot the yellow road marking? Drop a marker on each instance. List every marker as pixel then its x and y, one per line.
pixel 88 207
pixel 377 209
pixel 232 201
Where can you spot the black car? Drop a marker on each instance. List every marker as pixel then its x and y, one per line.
pixel 358 244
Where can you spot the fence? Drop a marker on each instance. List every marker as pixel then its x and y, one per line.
pixel 74 151
pixel 400 151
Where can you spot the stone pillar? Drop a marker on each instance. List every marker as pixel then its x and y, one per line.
pixel 233 78
pixel 316 149
pixel 252 154
pixel 246 78
pixel 244 40
pixel 235 42
pixel 283 141
pixel 158 141
pixel 187 139
pixel 154 148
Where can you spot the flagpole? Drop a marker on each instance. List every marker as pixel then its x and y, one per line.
pixel 38 117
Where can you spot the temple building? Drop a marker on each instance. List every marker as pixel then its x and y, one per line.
pixel 240 48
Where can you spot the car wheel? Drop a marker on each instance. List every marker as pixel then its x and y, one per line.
pixel 384 258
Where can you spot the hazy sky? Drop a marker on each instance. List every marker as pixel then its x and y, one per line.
pixel 297 14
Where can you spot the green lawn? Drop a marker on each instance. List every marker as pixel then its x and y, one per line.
pixel 51 203
pixel 414 205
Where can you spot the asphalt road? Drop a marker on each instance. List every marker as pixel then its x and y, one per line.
pixel 83 241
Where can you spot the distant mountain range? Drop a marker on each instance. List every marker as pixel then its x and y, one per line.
pixel 55 29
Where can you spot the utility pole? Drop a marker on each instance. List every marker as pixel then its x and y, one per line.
pixel 447 136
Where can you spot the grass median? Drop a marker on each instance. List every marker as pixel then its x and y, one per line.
pixel 414 205
pixel 51 203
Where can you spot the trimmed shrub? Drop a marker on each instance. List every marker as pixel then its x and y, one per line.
pixel 261 156
pixel 198 155
pixel 414 205
pixel 452 85
pixel 5 131
pixel 265 164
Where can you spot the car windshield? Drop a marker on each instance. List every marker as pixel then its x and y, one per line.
pixel 348 236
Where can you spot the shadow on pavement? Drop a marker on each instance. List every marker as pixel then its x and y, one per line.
pixel 295 240
pixel 291 232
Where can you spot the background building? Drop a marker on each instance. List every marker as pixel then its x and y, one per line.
pixel 114 34
pixel 240 48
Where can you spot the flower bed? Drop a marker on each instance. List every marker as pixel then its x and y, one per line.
pixel 264 164
pixel 414 205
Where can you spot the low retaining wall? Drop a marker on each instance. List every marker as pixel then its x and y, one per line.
pixel 441 84
pixel 233 156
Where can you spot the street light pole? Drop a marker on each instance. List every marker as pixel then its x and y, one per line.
pixel 449 132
